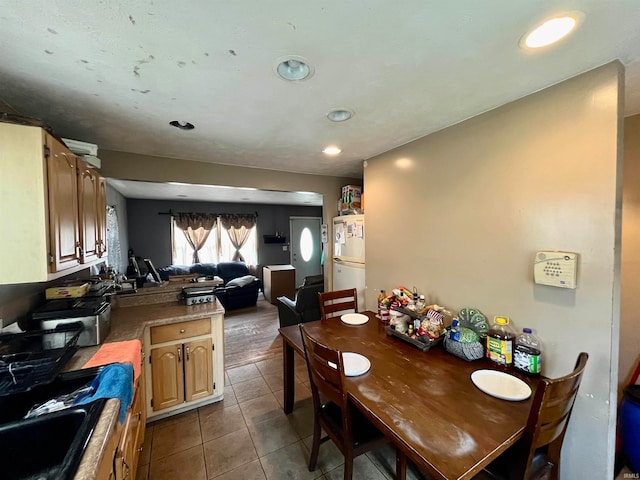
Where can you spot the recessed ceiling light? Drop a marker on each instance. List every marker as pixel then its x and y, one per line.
pixel 293 68
pixel 332 150
pixel 551 30
pixel 339 114
pixel 182 125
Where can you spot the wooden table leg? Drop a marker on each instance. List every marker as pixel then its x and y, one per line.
pixel 288 376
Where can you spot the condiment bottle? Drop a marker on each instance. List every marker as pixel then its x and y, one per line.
pixel 500 340
pixel 454 334
pixel 527 354
pixel 420 304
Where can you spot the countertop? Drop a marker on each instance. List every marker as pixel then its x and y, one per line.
pixel 128 323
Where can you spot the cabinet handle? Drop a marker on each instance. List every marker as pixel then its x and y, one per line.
pixel 182 330
pixel 188 352
pixel 140 449
pixel 139 416
pixel 179 354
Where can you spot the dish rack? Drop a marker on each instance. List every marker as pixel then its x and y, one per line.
pixel 34 358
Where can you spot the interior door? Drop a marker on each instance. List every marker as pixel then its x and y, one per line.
pixel 306 246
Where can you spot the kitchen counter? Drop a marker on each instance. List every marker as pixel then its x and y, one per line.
pixel 128 323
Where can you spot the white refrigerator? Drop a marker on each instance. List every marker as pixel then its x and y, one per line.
pixel 348 255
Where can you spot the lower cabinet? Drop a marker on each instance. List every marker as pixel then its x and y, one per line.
pixel 132 437
pixel 185 367
pixel 122 451
pixel 181 373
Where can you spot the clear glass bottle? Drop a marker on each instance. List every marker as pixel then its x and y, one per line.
pixel 500 339
pixel 527 355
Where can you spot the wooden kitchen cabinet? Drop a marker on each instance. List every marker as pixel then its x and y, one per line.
pixel 62 188
pixel 132 436
pixel 186 365
pixel 102 217
pixel 51 214
pixel 88 192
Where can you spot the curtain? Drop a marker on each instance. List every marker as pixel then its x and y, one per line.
pixel 114 254
pixel 196 228
pixel 238 226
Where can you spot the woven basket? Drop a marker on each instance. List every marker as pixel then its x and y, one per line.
pixel 466 351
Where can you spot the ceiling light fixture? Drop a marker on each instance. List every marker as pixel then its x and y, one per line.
pixel 182 125
pixel 331 150
pixel 293 68
pixel 551 30
pixel 339 114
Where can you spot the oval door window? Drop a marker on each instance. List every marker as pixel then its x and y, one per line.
pixel 306 244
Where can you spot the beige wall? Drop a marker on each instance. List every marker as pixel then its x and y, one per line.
pixel 630 283
pixel 461 213
pixel 131 166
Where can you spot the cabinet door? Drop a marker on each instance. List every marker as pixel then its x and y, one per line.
pixel 167 378
pixel 198 369
pixel 102 217
pixel 62 188
pixel 88 180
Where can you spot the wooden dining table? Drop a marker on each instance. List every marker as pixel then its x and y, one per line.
pixel 424 402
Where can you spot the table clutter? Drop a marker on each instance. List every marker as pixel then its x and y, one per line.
pixel 408 316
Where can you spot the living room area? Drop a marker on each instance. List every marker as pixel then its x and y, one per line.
pixel 147 228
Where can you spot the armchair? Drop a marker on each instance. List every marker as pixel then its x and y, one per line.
pixel 305 307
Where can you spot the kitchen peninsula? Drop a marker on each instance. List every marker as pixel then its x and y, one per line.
pixel 182 368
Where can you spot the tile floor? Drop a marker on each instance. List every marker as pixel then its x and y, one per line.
pixel 248 436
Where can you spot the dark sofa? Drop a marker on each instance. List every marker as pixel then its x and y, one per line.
pixel 240 289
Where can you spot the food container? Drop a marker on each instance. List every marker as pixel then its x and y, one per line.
pixel 399 321
pixel 67 291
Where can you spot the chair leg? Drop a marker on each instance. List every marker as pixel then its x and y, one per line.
pixel 315 448
pixel 348 466
pixel 401 465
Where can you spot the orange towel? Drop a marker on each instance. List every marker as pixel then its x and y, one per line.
pixel 118 352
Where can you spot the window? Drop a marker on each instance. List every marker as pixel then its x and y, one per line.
pixel 217 248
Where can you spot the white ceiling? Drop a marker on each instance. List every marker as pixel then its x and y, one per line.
pixel 114 73
pixel 211 193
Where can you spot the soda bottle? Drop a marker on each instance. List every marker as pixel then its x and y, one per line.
pixel 527 354
pixel 500 339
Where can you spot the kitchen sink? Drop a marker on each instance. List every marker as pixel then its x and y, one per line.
pixel 49 446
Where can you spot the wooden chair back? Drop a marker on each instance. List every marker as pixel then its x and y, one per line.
pixel 326 376
pixel 326 369
pixel 338 302
pixel 549 417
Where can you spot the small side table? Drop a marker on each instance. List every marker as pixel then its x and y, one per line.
pixel 279 280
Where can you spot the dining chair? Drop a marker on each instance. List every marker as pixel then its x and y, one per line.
pixel 334 304
pixel 537 454
pixel 334 413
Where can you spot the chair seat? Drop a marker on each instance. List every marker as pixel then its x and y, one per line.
pixel 500 469
pixel 363 429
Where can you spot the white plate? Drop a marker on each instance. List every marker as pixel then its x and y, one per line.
pixel 501 385
pixel 355 364
pixel 354 318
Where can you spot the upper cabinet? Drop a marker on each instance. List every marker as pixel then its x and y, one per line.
pixel 53 208
pixel 88 189
pixel 62 187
